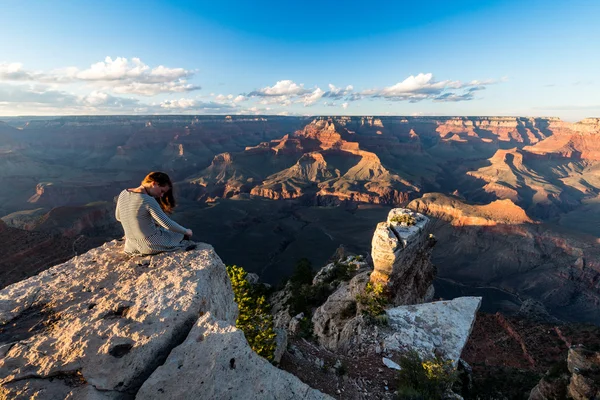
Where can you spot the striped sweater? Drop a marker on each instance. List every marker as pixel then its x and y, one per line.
pixel 148 230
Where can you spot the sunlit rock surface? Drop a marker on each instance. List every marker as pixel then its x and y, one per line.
pixel 401 258
pixel 100 324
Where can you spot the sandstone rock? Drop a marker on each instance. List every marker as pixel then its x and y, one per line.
pixel 579 379
pixel 584 366
pixel 334 322
pixel 214 362
pixel 352 263
pixel 440 328
pixel 252 278
pixel 401 258
pixel 98 325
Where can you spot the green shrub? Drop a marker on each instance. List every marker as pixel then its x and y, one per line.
pixel 340 272
pixel 303 273
pixel 305 296
pixel 373 300
pixel 306 328
pixel 427 379
pixel 254 318
pixel 404 218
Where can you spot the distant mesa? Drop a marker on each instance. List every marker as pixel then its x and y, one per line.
pixel 460 213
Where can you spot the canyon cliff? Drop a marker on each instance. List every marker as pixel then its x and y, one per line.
pixel 106 325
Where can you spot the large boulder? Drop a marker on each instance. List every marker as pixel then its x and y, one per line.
pixel 440 328
pixel 99 325
pixel 401 255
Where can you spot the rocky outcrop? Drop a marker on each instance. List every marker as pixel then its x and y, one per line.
pixel 401 249
pixel 99 325
pixel 584 366
pixel 580 380
pixel 544 263
pixel 401 254
pixel 335 323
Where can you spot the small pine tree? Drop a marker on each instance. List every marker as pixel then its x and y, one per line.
pixel 254 318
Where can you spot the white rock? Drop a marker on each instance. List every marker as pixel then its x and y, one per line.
pixel 441 327
pixel 407 233
pixel 104 321
pixel 401 259
pixel 215 362
pixel 390 364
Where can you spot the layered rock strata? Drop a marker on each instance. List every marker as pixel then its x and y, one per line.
pixel 99 326
pixel 401 254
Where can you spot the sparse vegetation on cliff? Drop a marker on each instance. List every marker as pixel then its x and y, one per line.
pixel 424 380
pixel 373 300
pixel 404 218
pixel 305 295
pixel 254 318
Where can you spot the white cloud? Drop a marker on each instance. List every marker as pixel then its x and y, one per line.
pixel 281 88
pixel 178 104
pixel 152 89
pixel 240 98
pixel 119 75
pixel 338 93
pixel 345 105
pixel 121 69
pixel 221 98
pixel 313 97
pixel 36 94
pixel 283 101
pixel 425 87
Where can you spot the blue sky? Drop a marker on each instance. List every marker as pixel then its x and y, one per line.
pixel 527 58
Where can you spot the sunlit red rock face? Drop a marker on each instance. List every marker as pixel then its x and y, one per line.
pixel 577 141
pixel 324 165
pixel 498 245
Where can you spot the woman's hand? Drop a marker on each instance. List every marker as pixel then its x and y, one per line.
pixel 189 233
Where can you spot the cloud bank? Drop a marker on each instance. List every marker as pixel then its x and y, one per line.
pixel 122 85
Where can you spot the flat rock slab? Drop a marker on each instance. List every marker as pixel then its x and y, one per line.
pixel 437 328
pixel 215 362
pixel 99 324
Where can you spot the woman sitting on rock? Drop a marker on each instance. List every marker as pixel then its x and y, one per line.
pixel 143 213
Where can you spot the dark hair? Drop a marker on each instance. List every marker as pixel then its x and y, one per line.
pixel 167 201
